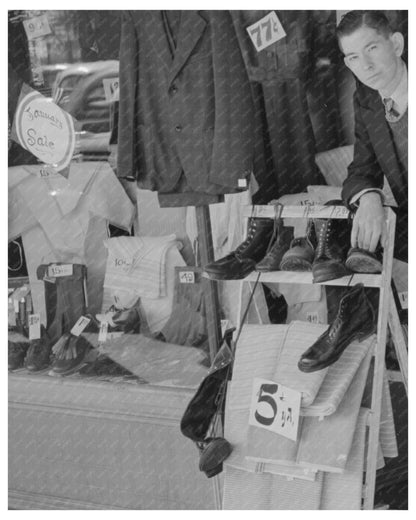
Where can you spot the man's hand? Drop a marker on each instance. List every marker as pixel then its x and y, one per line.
pixel 369 225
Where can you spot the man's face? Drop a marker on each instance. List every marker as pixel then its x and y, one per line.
pixel 373 57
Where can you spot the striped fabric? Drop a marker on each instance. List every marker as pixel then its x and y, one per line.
pixel 137 264
pixel 343 491
pixel 263 491
pixel 325 444
pixel 272 352
pixel 338 378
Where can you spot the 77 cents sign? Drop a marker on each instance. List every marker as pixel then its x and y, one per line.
pixel 275 407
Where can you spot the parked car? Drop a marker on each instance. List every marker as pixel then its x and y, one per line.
pixel 88 92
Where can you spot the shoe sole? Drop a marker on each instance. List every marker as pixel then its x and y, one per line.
pixel 219 276
pixel 295 264
pixel 360 336
pixel 361 264
pixel 319 278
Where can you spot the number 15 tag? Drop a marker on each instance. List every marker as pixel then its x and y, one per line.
pixel 275 407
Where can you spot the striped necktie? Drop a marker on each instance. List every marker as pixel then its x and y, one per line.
pixel 391 113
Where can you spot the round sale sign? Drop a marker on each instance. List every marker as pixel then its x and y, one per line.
pixel 45 130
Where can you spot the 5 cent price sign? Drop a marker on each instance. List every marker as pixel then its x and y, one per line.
pixel 275 407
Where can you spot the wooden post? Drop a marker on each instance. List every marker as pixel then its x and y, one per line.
pixel 206 249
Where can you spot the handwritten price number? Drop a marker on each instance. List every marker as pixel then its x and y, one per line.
pixel 266 31
pixel 265 396
pixel 111 89
pixel 102 335
pixel 34 326
pixel 404 300
pixel 187 277
pixel 36 27
pixel 60 270
pixel 312 317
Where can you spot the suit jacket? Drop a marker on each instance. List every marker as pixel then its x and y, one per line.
pixel 188 114
pixel 375 156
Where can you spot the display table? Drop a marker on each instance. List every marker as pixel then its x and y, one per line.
pixel 79 443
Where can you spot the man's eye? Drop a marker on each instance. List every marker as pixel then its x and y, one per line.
pixel 352 58
pixel 372 48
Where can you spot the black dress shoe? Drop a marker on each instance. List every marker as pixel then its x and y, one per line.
pixel 39 353
pixel 213 452
pixel 17 348
pixel 355 320
pixel 362 261
pixel 241 262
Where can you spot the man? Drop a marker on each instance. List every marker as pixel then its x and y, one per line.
pixel 372 51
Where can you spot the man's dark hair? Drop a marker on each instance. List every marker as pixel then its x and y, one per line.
pixel 353 20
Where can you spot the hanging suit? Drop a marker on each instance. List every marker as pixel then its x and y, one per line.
pixel 283 70
pixel 186 114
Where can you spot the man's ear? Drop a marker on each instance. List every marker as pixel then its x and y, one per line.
pixel 347 63
pixel 397 39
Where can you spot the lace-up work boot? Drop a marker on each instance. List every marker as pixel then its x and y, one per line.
pixel 271 262
pixel 355 320
pixel 239 263
pixel 333 237
pixel 362 261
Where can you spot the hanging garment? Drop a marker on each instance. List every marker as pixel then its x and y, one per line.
pixel 66 220
pixel 283 70
pixel 186 112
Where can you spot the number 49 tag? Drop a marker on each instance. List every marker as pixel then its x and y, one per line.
pixel 275 407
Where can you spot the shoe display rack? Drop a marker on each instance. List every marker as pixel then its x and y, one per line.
pixel 387 315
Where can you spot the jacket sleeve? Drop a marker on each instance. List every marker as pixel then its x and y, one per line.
pixel 128 76
pixel 364 172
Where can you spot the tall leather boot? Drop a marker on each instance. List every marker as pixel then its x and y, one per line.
pixel 355 320
pixel 239 263
pixel 333 236
pixel 271 262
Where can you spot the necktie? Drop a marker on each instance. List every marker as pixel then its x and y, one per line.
pixel 391 113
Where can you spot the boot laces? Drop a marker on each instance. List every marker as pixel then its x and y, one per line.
pixel 336 323
pixel 323 240
pixel 250 235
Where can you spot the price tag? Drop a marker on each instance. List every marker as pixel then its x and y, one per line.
pixel 275 407
pixel 111 89
pixel 55 271
pixel 102 334
pixel 403 300
pixel 46 172
pixel 80 325
pixel 187 277
pixel 242 183
pixel 37 27
pixel 34 326
pixel 266 31
pixel 312 317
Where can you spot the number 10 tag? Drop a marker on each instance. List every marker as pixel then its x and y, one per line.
pixel 275 407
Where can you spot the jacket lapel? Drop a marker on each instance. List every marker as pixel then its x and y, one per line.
pixel 191 29
pixel 155 32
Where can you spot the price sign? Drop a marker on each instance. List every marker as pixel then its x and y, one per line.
pixel 102 334
pixel 187 277
pixel 37 27
pixel 266 31
pixel 55 271
pixel 403 300
pixel 312 317
pixel 111 89
pixel 80 325
pixel 34 326
pixel 44 129
pixel 275 407
pixel 242 183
